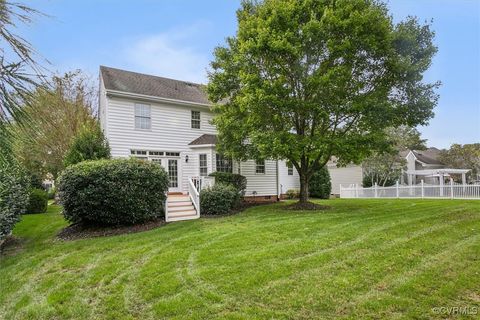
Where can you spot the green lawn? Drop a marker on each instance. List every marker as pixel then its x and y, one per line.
pixel 360 259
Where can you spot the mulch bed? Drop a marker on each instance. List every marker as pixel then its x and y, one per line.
pixel 80 231
pixel 305 206
pixel 243 206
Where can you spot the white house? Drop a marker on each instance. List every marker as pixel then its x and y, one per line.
pixel 169 121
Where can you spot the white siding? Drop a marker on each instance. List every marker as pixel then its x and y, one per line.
pixel 170 131
pixel 287 182
pixel 344 176
pixel 263 184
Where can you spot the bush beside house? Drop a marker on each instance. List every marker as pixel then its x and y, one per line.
pixel 236 180
pixel 320 185
pixel 38 201
pixel 89 144
pixel 219 199
pixel 113 192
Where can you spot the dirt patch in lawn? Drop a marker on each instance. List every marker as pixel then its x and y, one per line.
pixel 80 231
pixel 11 245
pixel 305 206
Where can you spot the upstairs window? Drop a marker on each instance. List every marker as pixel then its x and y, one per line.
pixel 143 119
pixel 195 119
pixel 203 165
pixel 290 169
pixel 260 166
pixel 224 164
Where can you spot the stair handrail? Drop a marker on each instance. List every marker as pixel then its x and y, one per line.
pixel 194 194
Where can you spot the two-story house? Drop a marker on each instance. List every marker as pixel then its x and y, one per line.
pixel 169 121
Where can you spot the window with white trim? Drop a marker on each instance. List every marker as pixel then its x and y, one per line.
pixel 224 164
pixel 290 169
pixel 143 118
pixel 195 119
pixel 260 166
pixel 203 165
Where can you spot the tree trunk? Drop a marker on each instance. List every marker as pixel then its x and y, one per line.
pixel 303 188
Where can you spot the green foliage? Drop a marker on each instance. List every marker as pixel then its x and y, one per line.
pixel 113 192
pixel 219 199
pixel 465 156
pixel 89 144
pixel 293 193
pixel 51 193
pixel 234 179
pixel 307 80
pixel 53 116
pixel 38 201
pixel 320 185
pixel 13 196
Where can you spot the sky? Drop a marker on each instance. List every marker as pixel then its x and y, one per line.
pixel 175 38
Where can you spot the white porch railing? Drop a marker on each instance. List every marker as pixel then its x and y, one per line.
pixel 194 194
pixel 447 191
pixel 202 182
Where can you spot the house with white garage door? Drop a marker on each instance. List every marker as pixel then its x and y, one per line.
pixel 169 121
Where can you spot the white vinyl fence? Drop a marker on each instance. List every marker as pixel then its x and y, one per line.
pixel 446 191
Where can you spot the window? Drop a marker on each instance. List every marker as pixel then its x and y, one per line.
pixel 260 166
pixel 224 164
pixel 203 165
pixel 172 154
pixel 290 169
pixel 195 119
pixel 142 116
pixel 155 153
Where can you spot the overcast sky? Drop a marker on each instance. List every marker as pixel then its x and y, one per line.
pixel 176 38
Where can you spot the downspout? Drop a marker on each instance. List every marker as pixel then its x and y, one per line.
pixel 277 180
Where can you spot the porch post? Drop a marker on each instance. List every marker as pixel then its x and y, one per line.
pixel 398 190
pixel 423 190
pixel 464 179
pixel 376 190
pixel 451 188
pixel 440 176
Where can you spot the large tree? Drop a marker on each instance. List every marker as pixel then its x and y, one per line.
pixel 56 114
pixel 305 80
pixel 465 156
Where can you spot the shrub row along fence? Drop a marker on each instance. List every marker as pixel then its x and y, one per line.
pixel 446 191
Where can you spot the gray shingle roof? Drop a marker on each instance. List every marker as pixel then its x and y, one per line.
pixel 429 156
pixel 132 82
pixel 204 139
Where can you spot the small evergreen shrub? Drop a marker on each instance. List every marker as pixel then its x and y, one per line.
pixel 38 201
pixel 319 185
pixel 89 144
pixel 113 192
pixel 292 193
pixel 13 197
pixel 236 180
pixel 219 199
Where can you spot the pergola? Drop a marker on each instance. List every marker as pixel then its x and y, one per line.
pixel 440 173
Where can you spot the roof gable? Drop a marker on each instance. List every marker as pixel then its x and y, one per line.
pixel 143 84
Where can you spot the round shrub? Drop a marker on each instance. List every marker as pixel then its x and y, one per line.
pixel 38 201
pixel 13 197
pixel 293 193
pixel 113 192
pixel 236 180
pixel 319 185
pixel 219 199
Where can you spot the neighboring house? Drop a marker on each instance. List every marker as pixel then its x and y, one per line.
pixel 169 122
pixel 425 165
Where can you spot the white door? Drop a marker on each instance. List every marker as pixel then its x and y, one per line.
pixel 171 166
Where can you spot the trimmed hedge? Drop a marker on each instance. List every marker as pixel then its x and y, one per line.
pixel 319 185
pixel 13 197
pixel 236 180
pixel 38 201
pixel 113 192
pixel 219 199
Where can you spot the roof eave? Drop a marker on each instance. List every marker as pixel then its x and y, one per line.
pixel 123 94
pixel 210 145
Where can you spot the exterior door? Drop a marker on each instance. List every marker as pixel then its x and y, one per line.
pixel 171 166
